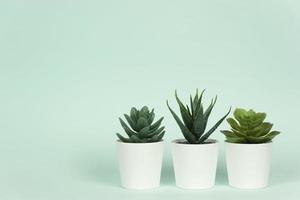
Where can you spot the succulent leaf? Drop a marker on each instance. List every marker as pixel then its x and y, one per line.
pixel 134 114
pixel 141 130
pixel 185 131
pixel 156 124
pixel 130 122
pixel 141 123
pixel 135 139
pixel 249 127
pixel 194 120
pixel 151 116
pixel 234 124
pixel 192 107
pixel 271 135
pixel 187 119
pixel 156 132
pixel 208 133
pixel 123 139
pixel 126 128
pixel 157 138
pixel 236 140
pixel 199 125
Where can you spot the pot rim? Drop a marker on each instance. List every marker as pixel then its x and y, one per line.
pixel 212 142
pixel 249 144
pixel 139 144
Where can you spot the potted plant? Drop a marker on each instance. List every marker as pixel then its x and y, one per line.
pixel 195 157
pixel 248 149
pixel 140 154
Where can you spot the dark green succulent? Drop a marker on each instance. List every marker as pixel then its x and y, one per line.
pixel 142 129
pixel 195 119
pixel 249 127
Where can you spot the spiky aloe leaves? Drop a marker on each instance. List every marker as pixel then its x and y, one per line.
pixel 140 128
pixel 249 127
pixel 194 119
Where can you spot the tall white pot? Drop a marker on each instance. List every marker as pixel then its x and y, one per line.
pixel 195 164
pixel 248 165
pixel 140 164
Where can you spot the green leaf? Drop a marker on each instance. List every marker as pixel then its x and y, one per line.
pixel 192 107
pixel 156 124
pixel 261 130
pixel 185 131
pixel 258 119
pixel 160 136
pixel 228 133
pixel 144 112
pixel 239 133
pixel 123 139
pixel 189 111
pixel 195 101
pixel 234 124
pixel 236 140
pixel 199 104
pixel 135 139
pixel 232 137
pixel 151 116
pixel 143 133
pixel 271 135
pixel 255 140
pixel 156 132
pixel 263 139
pixel 199 126
pixel 141 123
pixel 207 113
pixel 209 109
pixel 134 114
pixel 187 119
pixel 126 128
pixel 144 109
pixel 130 122
pixel 157 138
pixel 239 114
pixel 208 133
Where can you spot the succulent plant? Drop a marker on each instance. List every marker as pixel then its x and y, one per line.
pixel 194 119
pixel 142 129
pixel 249 127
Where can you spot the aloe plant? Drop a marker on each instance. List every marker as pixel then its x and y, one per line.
pixel 249 127
pixel 194 119
pixel 141 128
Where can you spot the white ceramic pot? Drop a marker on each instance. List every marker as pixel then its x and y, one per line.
pixel 140 164
pixel 248 165
pixel 195 164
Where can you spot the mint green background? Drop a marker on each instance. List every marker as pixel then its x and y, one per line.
pixel 68 70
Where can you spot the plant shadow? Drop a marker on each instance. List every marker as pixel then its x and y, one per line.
pixel 167 173
pixel 97 168
pixel 283 173
pixel 280 173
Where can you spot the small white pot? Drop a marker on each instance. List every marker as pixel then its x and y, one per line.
pixel 195 164
pixel 248 165
pixel 140 164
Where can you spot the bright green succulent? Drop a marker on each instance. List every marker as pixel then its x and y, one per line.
pixel 195 119
pixel 249 127
pixel 142 129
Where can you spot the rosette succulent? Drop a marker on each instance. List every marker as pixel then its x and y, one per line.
pixel 195 118
pixel 249 127
pixel 141 128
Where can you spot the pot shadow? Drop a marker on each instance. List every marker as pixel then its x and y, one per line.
pixel 283 173
pixel 167 173
pixel 97 168
pixel 102 169
pixel 280 173
pixel 221 176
